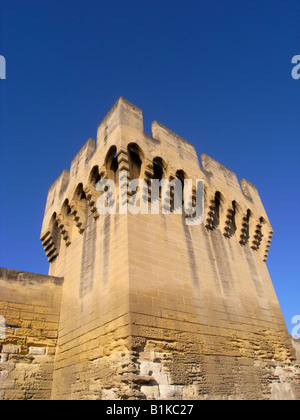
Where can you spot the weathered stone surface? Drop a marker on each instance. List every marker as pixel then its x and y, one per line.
pixel 148 307
pixel 30 307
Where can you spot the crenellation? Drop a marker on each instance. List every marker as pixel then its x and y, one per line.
pixel 83 156
pixel 121 116
pixel 57 189
pixel 61 182
pixel 165 135
pixel 124 115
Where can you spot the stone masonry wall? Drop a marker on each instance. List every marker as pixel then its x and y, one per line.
pixel 200 335
pixel 29 312
pixel 152 307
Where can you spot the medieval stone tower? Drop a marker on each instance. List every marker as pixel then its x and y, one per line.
pixel 143 305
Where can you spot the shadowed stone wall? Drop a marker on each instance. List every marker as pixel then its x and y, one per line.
pixel 29 309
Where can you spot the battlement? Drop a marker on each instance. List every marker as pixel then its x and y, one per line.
pixel 234 208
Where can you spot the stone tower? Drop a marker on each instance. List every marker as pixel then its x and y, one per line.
pixel 150 307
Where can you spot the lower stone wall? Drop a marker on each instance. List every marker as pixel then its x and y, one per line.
pixel 155 370
pixel 214 377
pixel 127 366
pixel 29 315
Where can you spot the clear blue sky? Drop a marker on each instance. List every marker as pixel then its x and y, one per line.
pixel 218 73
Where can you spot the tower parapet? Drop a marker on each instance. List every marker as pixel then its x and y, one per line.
pixel 240 210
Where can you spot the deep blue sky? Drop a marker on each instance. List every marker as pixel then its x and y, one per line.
pixel 218 73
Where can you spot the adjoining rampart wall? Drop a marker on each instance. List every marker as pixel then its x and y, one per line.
pixel 29 310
